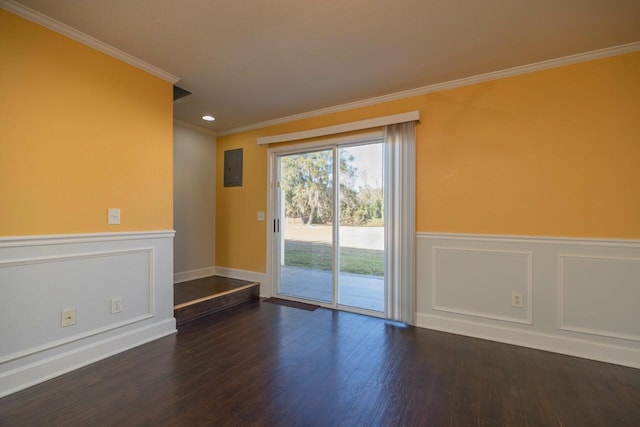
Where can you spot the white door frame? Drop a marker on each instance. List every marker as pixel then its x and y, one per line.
pixel 272 156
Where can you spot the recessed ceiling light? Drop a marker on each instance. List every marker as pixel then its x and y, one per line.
pixel 208 118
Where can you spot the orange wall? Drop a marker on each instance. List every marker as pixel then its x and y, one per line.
pixel 553 153
pixel 240 238
pixel 80 132
pixel 550 153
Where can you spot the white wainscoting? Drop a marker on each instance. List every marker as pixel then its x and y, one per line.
pixel 599 295
pixel 479 282
pixel 42 275
pixel 580 295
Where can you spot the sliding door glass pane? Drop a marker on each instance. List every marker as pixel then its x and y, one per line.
pixel 306 258
pixel 361 227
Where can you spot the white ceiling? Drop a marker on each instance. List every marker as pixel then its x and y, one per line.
pixel 249 61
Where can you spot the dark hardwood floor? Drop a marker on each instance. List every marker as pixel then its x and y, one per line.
pixel 271 365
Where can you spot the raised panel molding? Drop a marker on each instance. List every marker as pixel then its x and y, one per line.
pixel 485 274
pixel 41 275
pixel 621 289
pixel 581 292
pixel 72 260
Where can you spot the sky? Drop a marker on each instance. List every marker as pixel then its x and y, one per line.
pixel 368 161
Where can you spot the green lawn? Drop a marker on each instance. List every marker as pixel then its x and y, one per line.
pixel 318 256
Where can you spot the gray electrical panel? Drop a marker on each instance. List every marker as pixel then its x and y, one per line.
pixel 233 168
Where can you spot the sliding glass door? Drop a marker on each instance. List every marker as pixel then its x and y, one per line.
pixel 329 226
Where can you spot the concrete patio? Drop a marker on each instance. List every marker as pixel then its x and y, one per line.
pixel 354 290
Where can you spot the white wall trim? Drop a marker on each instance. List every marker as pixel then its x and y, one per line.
pixel 532 339
pixel 341 128
pixel 375 136
pixel 73 338
pixel 505 238
pixel 561 325
pixel 65 239
pixel 438 87
pixel 251 276
pixel 43 370
pixel 601 333
pixel 434 291
pixel 199 273
pixel 74 257
pixel 72 33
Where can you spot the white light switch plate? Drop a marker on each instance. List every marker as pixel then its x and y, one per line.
pixel 260 216
pixel 114 216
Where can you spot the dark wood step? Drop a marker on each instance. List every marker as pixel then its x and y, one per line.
pixel 198 298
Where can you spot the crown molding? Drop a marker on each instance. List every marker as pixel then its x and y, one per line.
pixel 194 127
pixel 438 87
pixel 72 33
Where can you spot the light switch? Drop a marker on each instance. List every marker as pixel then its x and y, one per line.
pixel 114 216
pixel 260 216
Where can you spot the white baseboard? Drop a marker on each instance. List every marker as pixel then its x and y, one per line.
pixel 557 344
pixel 199 273
pixel 51 367
pixel 251 276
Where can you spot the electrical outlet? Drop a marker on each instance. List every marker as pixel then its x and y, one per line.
pixel 116 305
pixel 68 317
pixel 516 299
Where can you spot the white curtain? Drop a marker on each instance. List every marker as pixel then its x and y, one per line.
pixel 400 221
